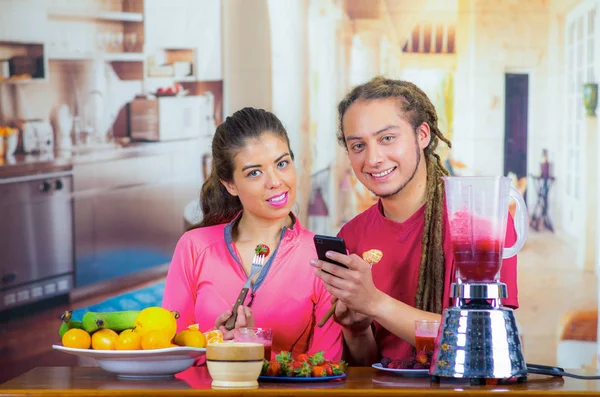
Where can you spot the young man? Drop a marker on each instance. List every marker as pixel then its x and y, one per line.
pixel 389 129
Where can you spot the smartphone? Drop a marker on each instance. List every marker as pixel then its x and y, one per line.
pixel 328 243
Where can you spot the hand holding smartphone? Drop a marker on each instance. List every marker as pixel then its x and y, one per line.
pixel 328 243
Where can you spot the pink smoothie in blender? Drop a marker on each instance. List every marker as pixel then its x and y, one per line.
pixel 478 257
pixel 478 211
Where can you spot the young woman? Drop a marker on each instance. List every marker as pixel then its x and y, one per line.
pixel 246 201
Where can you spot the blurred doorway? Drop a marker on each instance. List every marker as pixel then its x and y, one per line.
pixel 515 124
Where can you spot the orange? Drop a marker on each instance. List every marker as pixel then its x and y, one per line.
pixel 190 337
pixel 77 339
pixel 104 339
pixel 214 339
pixel 213 336
pixel 128 340
pixel 156 340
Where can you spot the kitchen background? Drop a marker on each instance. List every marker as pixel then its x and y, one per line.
pixel 108 108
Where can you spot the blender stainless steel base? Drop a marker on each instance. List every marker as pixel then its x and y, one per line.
pixel 477 337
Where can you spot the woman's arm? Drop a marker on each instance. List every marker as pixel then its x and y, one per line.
pixel 181 283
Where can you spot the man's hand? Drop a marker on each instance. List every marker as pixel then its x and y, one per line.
pixel 353 286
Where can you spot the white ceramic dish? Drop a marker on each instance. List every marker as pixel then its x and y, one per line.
pixel 157 363
pixel 403 372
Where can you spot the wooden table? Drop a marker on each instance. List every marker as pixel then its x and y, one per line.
pixel 361 381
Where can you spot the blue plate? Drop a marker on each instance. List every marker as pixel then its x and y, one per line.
pixel 299 378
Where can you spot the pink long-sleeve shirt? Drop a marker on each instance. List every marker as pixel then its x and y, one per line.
pixel 206 276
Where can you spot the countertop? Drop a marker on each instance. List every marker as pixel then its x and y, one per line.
pixel 361 381
pixel 21 165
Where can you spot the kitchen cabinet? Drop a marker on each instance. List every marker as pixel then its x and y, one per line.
pixel 187 24
pixel 129 211
pixel 23 21
pixel 165 24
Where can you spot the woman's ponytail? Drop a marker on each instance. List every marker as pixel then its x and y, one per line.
pixel 218 206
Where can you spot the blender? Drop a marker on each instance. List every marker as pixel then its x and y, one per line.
pixel 478 338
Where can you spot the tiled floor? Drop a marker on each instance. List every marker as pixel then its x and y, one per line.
pixel 549 285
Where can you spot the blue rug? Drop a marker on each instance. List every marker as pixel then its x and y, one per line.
pixel 133 300
pixel 108 264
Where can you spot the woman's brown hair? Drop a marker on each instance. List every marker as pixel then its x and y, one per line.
pixel 417 109
pixel 231 136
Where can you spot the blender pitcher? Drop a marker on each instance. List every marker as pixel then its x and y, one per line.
pixel 477 212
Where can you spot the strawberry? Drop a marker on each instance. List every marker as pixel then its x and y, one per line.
pixel 274 368
pixel 296 365
pixel 318 371
pixel 286 370
pixel 284 357
pixel 262 249
pixel 304 370
pixel 302 358
pixel 317 358
pixel 328 369
pixel 265 367
pixel 337 369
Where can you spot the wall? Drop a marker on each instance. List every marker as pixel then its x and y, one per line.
pixel 288 21
pixel 246 55
pixel 494 38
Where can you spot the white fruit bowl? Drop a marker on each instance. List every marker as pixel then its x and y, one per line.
pixel 157 363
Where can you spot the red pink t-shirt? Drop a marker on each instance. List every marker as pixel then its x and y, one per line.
pixel 397 273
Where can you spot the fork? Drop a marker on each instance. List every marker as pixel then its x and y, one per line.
pixel 257 263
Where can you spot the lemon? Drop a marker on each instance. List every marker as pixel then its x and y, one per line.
pixel 156 319
pixel 191 338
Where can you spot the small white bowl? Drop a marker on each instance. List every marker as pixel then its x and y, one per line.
pixel 235 364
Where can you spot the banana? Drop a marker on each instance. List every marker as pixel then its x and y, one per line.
pixel 117 321
pixel 67 323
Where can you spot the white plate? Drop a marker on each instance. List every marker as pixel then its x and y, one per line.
pixel 155 363
pixel 404 372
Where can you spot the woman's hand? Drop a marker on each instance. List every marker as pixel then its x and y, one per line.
pixel 244 319
pixel 350 319
pixel 353 286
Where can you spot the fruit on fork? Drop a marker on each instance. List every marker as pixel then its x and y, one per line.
pixel 262 249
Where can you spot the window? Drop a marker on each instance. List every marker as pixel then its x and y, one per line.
pixel 580 52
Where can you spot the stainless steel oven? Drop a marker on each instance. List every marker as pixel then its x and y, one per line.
pixel 36 238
